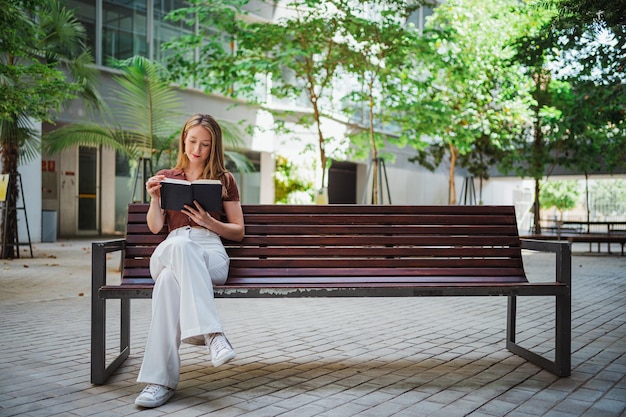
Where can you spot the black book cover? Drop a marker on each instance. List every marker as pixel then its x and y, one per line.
pixel 175 194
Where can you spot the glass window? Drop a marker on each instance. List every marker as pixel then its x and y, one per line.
pixel 124 29
pixel 249 182
pixel 166 30
pixel 260 8
pixel 418 18
pixel 85 12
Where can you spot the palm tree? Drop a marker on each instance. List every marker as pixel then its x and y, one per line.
pixel 44 63
pixel 141 122
pixel 146 114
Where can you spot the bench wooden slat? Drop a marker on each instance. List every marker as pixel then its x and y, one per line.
pixel 141 230
pixel 318 278
pixel 142 280
pixel 378 219
pixel 380 240
pixel 349 262
pixel 139 251
pixel 382 252
pixel 368 210
pixel 292 274
pixel 288 275
pixel 143 290
pixel 368 229
pixel 143 240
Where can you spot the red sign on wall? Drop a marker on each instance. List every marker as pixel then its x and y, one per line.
pixel 48 165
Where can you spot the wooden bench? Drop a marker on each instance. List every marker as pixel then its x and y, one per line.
pixel 352 251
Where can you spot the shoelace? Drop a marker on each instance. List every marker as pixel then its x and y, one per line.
pixel 219 343
pixel 151 389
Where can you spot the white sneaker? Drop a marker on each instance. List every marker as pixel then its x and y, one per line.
pixel 221 349
pixel 154 395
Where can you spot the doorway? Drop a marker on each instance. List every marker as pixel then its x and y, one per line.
pixel 88 198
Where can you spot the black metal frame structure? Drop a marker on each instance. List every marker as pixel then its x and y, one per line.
pixel 6 210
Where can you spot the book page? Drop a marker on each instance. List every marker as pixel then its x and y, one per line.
pixel 205 181
pixel 176 181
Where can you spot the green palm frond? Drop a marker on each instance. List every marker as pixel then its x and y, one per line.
pixel 82 71
pixel 65 35
pixel 20 133
pixel 146 116
pixel 87 135
pixel 241 162
pixel 147 101
pixel 231 134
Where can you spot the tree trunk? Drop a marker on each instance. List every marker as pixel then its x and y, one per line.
pixel 321 142
pixel 587 200
pixel 452 185
pixel 8 223
pixel 537 208
pixel 376 186
pixel 541 80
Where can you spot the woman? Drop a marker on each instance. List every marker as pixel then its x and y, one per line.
pixel 187 264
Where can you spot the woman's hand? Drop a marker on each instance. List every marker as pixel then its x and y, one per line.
pixel 199 215
pixel 232 230
pixel 155 216
pixel 153 186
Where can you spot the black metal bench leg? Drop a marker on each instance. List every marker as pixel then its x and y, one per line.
pixel 100 372
pixel 511 315
pixel 125 326
pixel 563 330
pixel 563 349
pixel 98 316
pixel 98 343
pixel 561 365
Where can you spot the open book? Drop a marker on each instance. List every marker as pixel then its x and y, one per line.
pixel 176 193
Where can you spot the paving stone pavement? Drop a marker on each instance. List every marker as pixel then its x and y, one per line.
pixel 343 357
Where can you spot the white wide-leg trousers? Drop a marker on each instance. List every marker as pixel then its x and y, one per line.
pixel 185 266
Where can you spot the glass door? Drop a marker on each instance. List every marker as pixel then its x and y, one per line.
pixel 88 207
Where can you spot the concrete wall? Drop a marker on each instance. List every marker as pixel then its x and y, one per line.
pixel 68 192
pixel 31 181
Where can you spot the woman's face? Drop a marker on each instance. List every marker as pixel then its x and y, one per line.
pixel 198 145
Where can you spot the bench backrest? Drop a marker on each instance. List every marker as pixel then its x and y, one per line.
pixel 348 244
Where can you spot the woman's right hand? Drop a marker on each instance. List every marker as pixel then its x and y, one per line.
pixel 153 186
pixel 155 216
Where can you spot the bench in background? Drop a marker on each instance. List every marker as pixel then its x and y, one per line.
pixel 589 238
pixel 599 239
pixel 353 251
pixel 582 231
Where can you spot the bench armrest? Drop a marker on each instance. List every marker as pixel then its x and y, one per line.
pixel 563 253
pixel 100 371
pixel 99 251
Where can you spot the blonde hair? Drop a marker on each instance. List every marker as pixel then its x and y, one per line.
pixel 214 168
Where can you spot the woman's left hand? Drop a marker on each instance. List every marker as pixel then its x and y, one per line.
pixel 198 214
